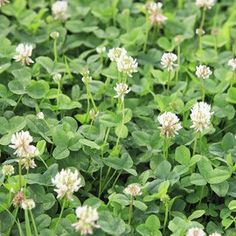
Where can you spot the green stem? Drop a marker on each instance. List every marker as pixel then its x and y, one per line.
pixel 68 70
pixel 178 54
pixel 201 194
pixel 102 153
pixel 58 93
pixel 122 122
pixel 146 33
pixel 107 182
pixel 203 90
pixel 166 215
pixel 130 210
pixel 60 216
pixel 41 159
pixel 14 218
pixel 116 179
pixel 166 148
pixel 19 228
pixel 90 96
pixel 17 103
pixel 215 46
pixel 201 29
pixel 55 50
pixel 195 144
pixel 88 108
pixel 27 224
pixel 33 222
pixel 20 183
pixel 168 82
pixel 232 80
pixel 180 4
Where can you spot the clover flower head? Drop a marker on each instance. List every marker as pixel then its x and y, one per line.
pixel 168 61
pixel 86 78
pixel 206 4
pixel 93 114
pixel 87 218
pixel 155 13
pixel 127 65
pixel 232 63
pixel 20 141
pixel 23 54
pixel 201 116
pixel 179 38
pixel 116 53
pixel 56 77
pixel 203 72
pixel 3 2
pixel 200 31
pixel 59 10
pixel 18 199
pixel 100 49
pixel 153 6
pixel 121 89
pixel 40 115
pixel 133 190
pixel 28 204
pixel 157 18
pixel 215 234
pixel 170 124
pixel 27 163
pixel 66 183
pixel 195 232
pixel 8 170
pixel 54 35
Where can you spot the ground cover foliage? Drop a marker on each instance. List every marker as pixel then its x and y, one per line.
pixel 129 141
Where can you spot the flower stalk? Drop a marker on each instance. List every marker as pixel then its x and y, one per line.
pixel 130 210
pixel 61 213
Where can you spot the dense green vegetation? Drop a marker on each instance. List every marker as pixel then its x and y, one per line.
pixel 117 117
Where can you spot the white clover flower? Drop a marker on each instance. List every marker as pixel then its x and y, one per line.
pixel 169 124
pixel 133 190
pixel 3 2
pixel 200 31
pixel 168 61
pixel 66 183
pixel 86 78
pixel 100 49
pixel 20 141
pixel 54 35
pixel 8 170
pixel 201 116
pixel 232 63
pixel 152 6
pixel 57 77
pixel 203 72
pixel 156 18
pixel 93 114
pixel 88 217
pixel 27 163
pixel 116 53
pixel 59 10
pixel 215 234
pixel 179 38
pixel 207 4
pixel 24 52
pixel 18 199
pixel 155 14
pixel 28 204
pixel 40 115
pixel 195 232
pixel 127 65
pixel 121 89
